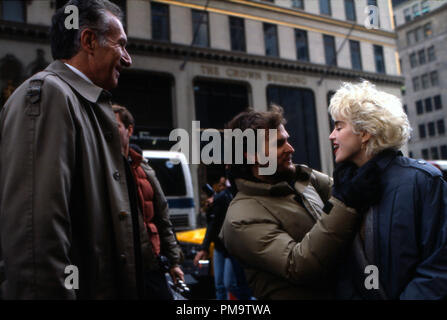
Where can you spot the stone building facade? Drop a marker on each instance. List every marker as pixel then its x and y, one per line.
pixel 207 60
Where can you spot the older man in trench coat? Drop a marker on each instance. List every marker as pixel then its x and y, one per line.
pixel 67 229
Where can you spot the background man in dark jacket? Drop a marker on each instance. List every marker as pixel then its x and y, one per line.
pixel 403 233
pixel 229 276
pixel 149 200
pixel 65 223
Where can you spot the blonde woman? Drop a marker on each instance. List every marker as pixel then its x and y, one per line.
pixel 400 251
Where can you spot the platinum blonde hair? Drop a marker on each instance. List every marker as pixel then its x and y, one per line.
pixel 376 112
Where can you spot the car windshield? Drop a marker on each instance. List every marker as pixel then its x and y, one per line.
pixel 170 176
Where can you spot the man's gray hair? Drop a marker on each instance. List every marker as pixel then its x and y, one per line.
pixel 93 14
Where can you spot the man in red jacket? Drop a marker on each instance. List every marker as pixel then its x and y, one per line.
pixel 147 195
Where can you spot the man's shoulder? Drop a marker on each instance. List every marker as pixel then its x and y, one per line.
pixel 147 168
pixel 35 89
pixel 43 81
pixel 50 81
pixel 247 206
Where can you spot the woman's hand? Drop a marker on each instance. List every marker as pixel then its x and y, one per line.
pixel 357 188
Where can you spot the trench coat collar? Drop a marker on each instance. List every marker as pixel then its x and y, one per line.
pixel 280 189
pixel 89 91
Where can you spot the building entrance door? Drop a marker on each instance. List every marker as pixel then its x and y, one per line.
pixel 300 113
pixel 148 96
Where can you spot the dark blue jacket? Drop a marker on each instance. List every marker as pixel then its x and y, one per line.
pixel 215 217
pixel 409 228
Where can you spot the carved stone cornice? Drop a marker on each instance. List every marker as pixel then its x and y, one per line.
pixel 24 32
pixel 40 34
pixel 208 55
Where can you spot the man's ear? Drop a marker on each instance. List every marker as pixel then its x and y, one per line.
pixel 89 40
pixel 130 129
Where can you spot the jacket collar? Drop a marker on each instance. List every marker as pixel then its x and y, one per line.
pixel 280 189
pixel 384 158
pixel 135 157
pixel 89 91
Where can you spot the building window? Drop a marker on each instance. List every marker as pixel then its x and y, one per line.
pixel 411 37
pixel 425 8
pixel 416 84
pixel 425 81
pixel 271 40
pixel 302 49
pixel 444 152
pixel 441 127
pixel 200 28
pixel 424 153
pixel 325 7
pixel 356 59
pixel 237 34
pixel 431 128
pixel 438 102
pixel 415 9
pixel 123 6
pixel 421 54
pixel 372 3
pixel 135 89
pixel 405 109
pixel 434 78
pixel 329 50
pixel 12 10
pixel 217 102
pixel 298 4
pixel 419 107
pixel 427 30
pixel 301 114
pixel 413 60
pixel 434 153
pixel 431 53
pixel 378 57
pixel 160 21
pixel 407 14
pixel 60 4
pixel 422 133
pixel 419 34
pixel 350 10
pixel 428 105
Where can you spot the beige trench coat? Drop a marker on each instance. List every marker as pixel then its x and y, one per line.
pixel 63 193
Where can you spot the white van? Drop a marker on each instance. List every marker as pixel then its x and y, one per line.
pixel 175 178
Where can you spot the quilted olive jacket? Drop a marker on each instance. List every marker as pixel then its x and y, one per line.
pixel 288 245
